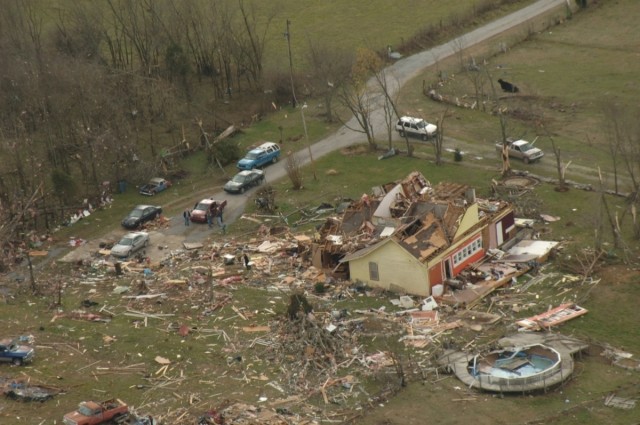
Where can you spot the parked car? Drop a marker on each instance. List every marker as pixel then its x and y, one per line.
pixel 154 186
pixel 521 149
pixel 199 212
pixel 11 350
pixel 140 215
pixel 416 127
pixel 264 154
pixel 94 413
pixel 130 244
pixel 244 180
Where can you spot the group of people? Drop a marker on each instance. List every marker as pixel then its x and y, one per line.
pixel 215 212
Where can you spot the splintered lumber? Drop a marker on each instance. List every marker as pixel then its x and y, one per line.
pixel 38 253
pixel 256 328
pixel 238 312
pixel 162 360
pixel 177 281
pixel 621 403
pixel 553 317
pixel 143 315
pixel 145 296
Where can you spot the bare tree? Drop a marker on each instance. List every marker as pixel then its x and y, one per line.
pixel 251 44
pixel 478 79
pixel 560 167
pixel 611 216
pixel 80 32
pixel 141 22
pixel 501 112
pixel 294 170
pixel 361 99
pixel 389 107
pixel 438 142
pixel 360 102
pixel 330 68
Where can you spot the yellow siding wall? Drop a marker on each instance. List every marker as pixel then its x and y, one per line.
pixel 469 219
pixel 396 267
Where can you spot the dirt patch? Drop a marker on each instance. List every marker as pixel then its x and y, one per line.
pixel 355 150
pixel 618 275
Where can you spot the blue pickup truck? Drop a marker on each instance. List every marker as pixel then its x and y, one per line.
pixel 264 154
pixel 12 351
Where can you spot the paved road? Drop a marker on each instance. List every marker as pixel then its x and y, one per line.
pixel 398 74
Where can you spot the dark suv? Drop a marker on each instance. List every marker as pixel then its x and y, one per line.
pixel 12 351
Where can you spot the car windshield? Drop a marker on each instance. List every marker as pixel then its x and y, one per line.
pixel 126 241
pixel 136 213
pixel 238 178
pixel 85 411
pixel 421 124
pixel 202 207
pixel 253 155
pixel 525 147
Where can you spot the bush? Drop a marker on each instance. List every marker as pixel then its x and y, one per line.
pixel 457 155
pixel 226 151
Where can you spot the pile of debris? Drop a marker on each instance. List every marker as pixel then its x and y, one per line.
pixel 314 353
pixel 23 390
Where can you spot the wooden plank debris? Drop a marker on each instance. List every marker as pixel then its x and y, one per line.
pixel 552 317
pixel 256 328
pixel 38 253
pixel 619 402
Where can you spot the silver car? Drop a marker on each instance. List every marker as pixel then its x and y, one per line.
pixel 130 243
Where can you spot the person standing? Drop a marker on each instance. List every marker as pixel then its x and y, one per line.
pixel 221 209
pixel 219 221
pixel 209 219
pixel 187 216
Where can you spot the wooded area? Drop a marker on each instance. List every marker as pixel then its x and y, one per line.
pixel 91 89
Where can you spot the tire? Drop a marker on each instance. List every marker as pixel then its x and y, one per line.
pixel 401 133
pixel 241 190
pixel 275 159
pixel 526 160
pixel 425 137
pixel 17 361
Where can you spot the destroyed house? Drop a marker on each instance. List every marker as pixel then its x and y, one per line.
pixel 427 235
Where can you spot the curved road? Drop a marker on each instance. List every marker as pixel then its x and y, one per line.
pixel 398 74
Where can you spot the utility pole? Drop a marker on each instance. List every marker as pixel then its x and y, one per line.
pixel 306 136
pixel 287 34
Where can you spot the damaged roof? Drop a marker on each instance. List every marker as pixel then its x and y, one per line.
pixel 422 218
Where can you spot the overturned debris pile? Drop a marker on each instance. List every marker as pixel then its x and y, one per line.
pixel 23 390
pixel 314 351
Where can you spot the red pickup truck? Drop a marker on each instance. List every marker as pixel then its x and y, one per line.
pixel 94 413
